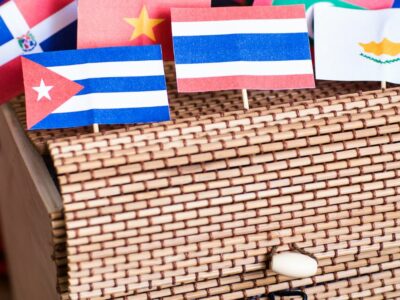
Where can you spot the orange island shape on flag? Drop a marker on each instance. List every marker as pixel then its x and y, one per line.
pixel 110 23
pixel 386 47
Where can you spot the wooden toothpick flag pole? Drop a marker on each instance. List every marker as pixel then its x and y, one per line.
pixel 245 99
pixel 96 128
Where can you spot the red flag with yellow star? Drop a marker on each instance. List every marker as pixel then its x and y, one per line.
pixel 129 22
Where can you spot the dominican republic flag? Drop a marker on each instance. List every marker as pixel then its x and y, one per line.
pixel 241 48
pixel 28 26
pixel 118 85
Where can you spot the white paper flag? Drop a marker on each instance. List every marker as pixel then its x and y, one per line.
pixel 357 45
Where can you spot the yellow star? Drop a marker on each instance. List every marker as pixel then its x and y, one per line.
pixel 143 25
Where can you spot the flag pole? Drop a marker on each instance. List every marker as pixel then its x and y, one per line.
pixel 245 97
pixel 383 85
pixel 96 128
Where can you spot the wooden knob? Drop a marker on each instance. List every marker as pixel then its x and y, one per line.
pixel 294 264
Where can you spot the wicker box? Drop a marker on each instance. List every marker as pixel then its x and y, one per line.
pixel 190 209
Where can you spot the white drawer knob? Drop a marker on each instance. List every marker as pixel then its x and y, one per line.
pixel 294 264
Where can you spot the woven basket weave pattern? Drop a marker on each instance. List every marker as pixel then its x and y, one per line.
pixel 189 209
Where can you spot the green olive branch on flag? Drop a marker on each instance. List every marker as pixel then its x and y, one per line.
pixel 379 61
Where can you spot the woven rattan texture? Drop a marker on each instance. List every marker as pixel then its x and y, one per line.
pixel 190 209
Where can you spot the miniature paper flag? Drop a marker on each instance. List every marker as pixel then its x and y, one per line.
pixel 31 27
pixel 129 22
pixel 359 45
pixel 116 85
pixel 241 48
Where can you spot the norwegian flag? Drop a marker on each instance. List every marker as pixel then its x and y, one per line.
pixel 30 27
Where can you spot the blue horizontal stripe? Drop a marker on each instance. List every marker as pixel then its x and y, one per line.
pixel 241 47
pixel 122 84
pixel 82 56
pixel 63 40
pixel 5 33
pixel 105 116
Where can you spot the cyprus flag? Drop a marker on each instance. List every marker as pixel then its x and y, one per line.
pixel 357 45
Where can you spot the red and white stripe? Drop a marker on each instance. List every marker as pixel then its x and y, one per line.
pixel 250 74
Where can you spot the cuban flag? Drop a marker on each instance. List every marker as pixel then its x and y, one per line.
pixel 32 27
pixel 118 85
pixel 241 48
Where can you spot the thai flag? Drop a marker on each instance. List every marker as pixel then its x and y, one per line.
pixel 241 48
pixel 118 85
pixel 31 27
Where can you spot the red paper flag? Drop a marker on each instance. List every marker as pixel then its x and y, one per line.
pixel 129 22
pixel 45 91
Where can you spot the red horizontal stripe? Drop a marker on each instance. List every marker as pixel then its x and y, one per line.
pixel 280 82
pixel 237 13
